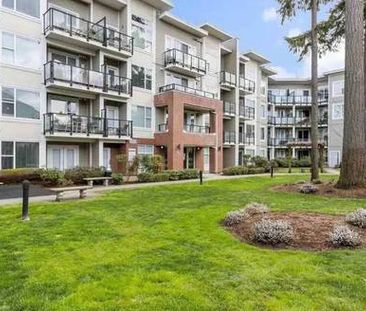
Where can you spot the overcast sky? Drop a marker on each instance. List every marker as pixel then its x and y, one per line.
pixel 258 25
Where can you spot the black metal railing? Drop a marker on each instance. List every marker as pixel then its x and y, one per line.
pixel 58 20
pixel 229 108
pixel 245 111
pixel 279 142
pixel 185 60
pixel 73 75
pixel 163 127
pixel 246 84
pixel 229 137
pixel 295 100
pixel 75 124
pixel 185 89
pixel 247 138
pixel 227 78
pixel 294 121
pixel 199 129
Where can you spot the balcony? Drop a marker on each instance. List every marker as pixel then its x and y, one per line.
pixel 227 80
pixel 163 128
pixel 63 26
pixel 279 142
pixel 229 138
pixel 66 76
pixel 196 129
pixel 184 63
pixel 247 139
pixel 247 86
pixel 185 89
pixel 281 121
pixel 61 125
pixel 229 109
pixel 246 112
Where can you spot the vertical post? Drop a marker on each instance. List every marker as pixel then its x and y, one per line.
pixel 201 178
pixel 271 170
pixel 25 207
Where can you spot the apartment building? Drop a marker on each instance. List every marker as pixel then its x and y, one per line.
pixel 289 116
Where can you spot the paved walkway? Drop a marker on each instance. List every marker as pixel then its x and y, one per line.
pixel 100 189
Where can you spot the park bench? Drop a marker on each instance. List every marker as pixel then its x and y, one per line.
pixel 60 191
pixel 92 179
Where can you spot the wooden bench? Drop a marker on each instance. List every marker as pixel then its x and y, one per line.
pixel 60 191
pixel 92 179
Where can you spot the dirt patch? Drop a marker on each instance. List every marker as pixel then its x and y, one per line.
pixel 327 189
pixel 311 231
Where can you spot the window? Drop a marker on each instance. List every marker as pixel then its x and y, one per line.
pixel 145 149
pixel 27 155
pixel 263 111
pixel 338 88
pixel 7 155
pixel 141 77
pixel 20 51
pixel 141 116
pixel 338 110
pixel 20 103
pixel 29 7
pixel 263 133
pixel 306 93
pixel 62 157
pixel 142 33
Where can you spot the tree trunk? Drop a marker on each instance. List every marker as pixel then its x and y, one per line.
pixel 314 93
pixel 353 154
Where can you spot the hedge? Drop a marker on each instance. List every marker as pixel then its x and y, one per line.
pixel 168 176
pixel 243 170
pixel 14 176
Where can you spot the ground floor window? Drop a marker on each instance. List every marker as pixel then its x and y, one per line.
pixel 19 155
pixel 145 149
pixel 62 157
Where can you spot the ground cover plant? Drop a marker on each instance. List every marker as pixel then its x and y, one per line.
pixel 164 248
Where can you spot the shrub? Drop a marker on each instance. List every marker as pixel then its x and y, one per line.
pixel 53 177
pixel 273 232
pixel 151 163
pixel 189 174
pixel 281 162
pixel 303 162
pixel 344 236
pixel 117 179
pixel 175 175
pixel 308 189
pixel 77 175
pixel 252 209
pixel 260 161
pixel 357 218
pixel 256 170
pixel 13 176
pixel 168 175
pixel 235 170
pixel 234 217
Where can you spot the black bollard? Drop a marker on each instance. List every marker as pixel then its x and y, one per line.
pixel 201 177
pixel 25 207
pixel 271 169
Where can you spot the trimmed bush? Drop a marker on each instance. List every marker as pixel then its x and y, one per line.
pixel 357 218
pixel 344 236
pixel 190 174
pixel 256 170
pixel 234 217
pixel 168 175
pixel 117 179
pixel 308 189
pixel 251 209
pixel 273 232
pixel 14 176
pixel 235 170
pixel 260 161
pixel 77 175
pixel 53 177
pixel 254 208
pixel 150 177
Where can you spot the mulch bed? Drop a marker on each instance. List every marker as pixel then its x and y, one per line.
pixel 311 230
pixel 327 189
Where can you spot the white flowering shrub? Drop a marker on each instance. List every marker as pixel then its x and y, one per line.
pixel 273 232
pixel 308 188
pixel 251 209
pixel 357 218
pixel 234 217
pixel 344 236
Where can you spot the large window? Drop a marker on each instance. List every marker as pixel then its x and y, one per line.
pixel 338 88
pixel 20 51
pixel 263 133
pixel 141 77
pixel 145 149
pixel 29 7
pixel 7 155
pixel 20 103
pixel 27 155
pixel 338 110
pixel 142 33
pixel 141 116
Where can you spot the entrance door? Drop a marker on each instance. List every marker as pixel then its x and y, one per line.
pixel 189 158
pixel 107 159
pixel 112 76
pixel 206 158
pixel 112 116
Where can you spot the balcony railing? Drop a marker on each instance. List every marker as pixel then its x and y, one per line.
pixel 185 89
pixel 86 125
pixel 229 108
pixel 246 112
pixel 198 129
pixel 247 138
pixel 227 78
pixel 294 121
pixel 163 127
pixel 279 142
pixel 57 20
pixel 295 100
pixel 246 85
pixel 188 61
pixel 72 75
pixel 229 137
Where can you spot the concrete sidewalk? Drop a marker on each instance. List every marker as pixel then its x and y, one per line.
pixel 101 189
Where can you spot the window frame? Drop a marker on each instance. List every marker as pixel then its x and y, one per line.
pixel 15 9
pixel 340 104
pixel 7 155
pixel 334 85
pixel 146 119
pixel 147 27
pixel 145 79
pixel 141 149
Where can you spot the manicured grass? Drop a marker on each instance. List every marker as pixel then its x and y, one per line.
pixel 163 248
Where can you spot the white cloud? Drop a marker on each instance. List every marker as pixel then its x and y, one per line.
pixel 293 32
pixel 270 15
pixel 282 72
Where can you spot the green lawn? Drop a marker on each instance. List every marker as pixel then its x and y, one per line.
pixel 163 248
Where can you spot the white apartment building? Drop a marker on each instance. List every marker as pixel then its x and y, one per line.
pixel 83 81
